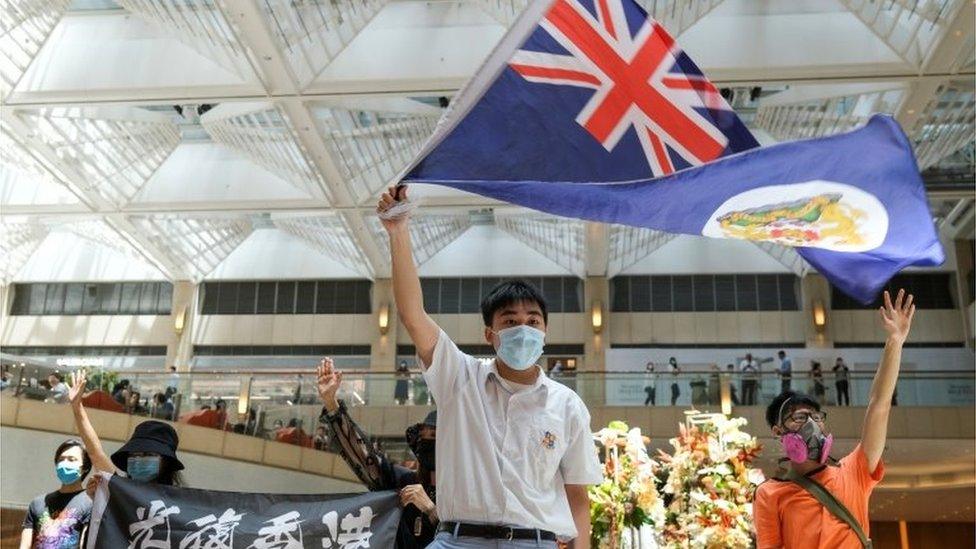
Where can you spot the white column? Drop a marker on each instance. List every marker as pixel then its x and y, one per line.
pixel 179 347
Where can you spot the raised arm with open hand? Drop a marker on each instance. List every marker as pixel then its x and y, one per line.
pixel 100 460
pixel 897 321
pixel 352 441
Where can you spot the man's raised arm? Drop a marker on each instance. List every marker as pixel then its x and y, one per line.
pixel 406 282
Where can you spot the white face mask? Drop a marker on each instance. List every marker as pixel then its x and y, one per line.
pixel 520 347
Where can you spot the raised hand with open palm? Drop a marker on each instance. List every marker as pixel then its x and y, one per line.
pixel 79 381
pixel 897 317
pixel 328 381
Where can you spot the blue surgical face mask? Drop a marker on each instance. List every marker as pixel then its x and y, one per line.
pixel 68 471
pixel 520 346
pixel 143 468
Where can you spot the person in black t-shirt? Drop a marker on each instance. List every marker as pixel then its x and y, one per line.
pixel 58 520
pixel 418 522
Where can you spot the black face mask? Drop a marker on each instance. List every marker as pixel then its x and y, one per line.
pixel 422 448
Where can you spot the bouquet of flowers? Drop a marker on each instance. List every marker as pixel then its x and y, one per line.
pixel 709 484
pixel 629 498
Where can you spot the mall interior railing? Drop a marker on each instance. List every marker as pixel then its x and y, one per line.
pixel 284 405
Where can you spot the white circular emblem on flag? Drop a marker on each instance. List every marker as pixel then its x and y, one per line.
pixel 817 214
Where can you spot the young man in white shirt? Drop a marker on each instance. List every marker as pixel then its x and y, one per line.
pixel 514 450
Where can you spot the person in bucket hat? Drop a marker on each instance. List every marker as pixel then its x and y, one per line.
pixel 148 456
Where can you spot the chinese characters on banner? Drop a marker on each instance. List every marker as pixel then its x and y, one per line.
pixel 149 516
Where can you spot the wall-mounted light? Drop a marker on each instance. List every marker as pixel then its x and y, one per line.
pixel 597 317
pixel 244 398
pixel 725 394
pixel 384 318
pixel 180 322
pixel 819 316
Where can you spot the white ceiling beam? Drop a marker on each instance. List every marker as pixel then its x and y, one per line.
pixel 677 16
pixel 269 64
pixel 329 233
pixel 192 245
pixel 76 182
pixel 944 60
pixel 374 253
pixel 560 239
pixel 277 77
pixel 629 245
pixel 25 27
pixel 957 223
pixel 758 76
pixel 429 234
pixel 596 249
pixel 114 150
pixel 18 241
pixel 155 255
pixel 71 178
pixel 937 113
pixel 787 256
pixel 371 146
pixel 431 204
pixel 262 133
pixel 922 105
pixel 199 25
pixel 311 33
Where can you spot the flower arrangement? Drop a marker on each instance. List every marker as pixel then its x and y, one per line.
pixel 709 485
pixel 699 496
pixel 629 497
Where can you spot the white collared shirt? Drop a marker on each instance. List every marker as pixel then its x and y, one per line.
pixel 505 452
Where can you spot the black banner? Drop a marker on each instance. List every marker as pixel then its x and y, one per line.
pixel 137 515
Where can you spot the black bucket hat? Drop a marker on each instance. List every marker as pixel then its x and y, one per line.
pixel 431 419
pixel 150 436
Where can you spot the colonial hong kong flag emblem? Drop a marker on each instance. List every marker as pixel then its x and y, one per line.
pixel 642 80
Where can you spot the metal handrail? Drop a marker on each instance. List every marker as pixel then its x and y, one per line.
pixel 771 371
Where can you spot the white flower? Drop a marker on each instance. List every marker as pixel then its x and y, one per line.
pixel 606 436
pixel 635 446
pixel 700 496
pixel 755 476
pixel 716 452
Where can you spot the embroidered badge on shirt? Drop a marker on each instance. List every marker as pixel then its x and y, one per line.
pixel 549 441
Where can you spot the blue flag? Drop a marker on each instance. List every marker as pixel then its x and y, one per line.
pixel 588 109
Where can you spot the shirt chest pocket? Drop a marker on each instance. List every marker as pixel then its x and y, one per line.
pixel 547 444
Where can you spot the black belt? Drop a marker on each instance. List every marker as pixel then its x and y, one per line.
pixel 491 531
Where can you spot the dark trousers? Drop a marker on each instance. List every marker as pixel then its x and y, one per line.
pixel 819 390
pixel 749 392
pixel 651 394
pixel 784 385
pixel 843 396
pixel 675 393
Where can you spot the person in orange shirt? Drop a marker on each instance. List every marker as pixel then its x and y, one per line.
pixel 786 515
